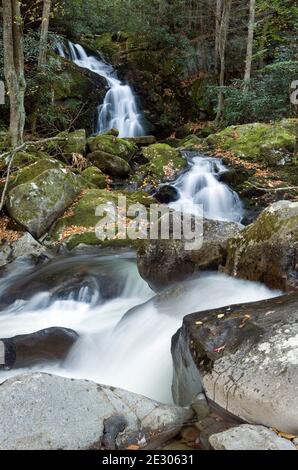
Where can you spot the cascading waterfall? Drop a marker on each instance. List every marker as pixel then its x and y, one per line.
pixel 130 351
pixel 200 188
pixel 119 109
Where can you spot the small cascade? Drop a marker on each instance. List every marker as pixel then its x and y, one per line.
pixel 119 109
pixel 200 189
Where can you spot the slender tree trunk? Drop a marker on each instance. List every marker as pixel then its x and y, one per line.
pixel 250 39
pixel 217 30
pixel 223 36
pixel 14 68
pixel 43 45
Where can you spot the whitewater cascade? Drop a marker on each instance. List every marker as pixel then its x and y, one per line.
pixel 119 109
pixel 199 188
pixel 128 351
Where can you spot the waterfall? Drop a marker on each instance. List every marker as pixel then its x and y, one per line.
pixel 200 188
pixel 119 109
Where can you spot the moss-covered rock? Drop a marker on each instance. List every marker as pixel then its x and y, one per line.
pixel 95 176
pixel 110 164
pixel 75 142
pixel 269 143
pixel 79 227
pixel 110 144
pixel 164 163
pixel 28 173
pixel 72 97
pixel 190 142
pixel 267 250
pixel 36 204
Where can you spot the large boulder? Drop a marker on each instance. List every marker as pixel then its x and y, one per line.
pixel 95 176
pixel 46 412
pixel 110 164
pixel 49 345
pixel 23 246
pixel 267 250
pixel 162 262
pixel 113 145
pixel 245 357
pixel 28 173
pixel 71 99
pixel 272 144
pixel 79 226
pixel 38 203
pixel 164 163
pixel 249 437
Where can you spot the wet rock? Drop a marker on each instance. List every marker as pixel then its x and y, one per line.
pixel 112 145
pixel 201 407
pixel 25 246
pixel 110 164
pixel 78 414
pixel 162 262
pixel 166 194
pixel 248 437
pixel 44 346
pixel 267 250
pixel 95 176
pixel 270 143
pixel 164 163
pixel 38 203
pixel 142 141
pixel 84 219
pixel 245 357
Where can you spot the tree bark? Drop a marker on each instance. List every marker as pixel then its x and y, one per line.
pixel 250 39
pixel 223 36
pixel 14 68
pixel 43 45
pixel 217 30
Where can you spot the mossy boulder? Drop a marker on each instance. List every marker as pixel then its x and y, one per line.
pixel 272 144
pixel 28 173
pixel 110 164
pixel 79 227
pixel 94 176
pixel 38 203
pixel 267 250
pixel 190 142
pixel 164 163
pixel 113 145
pixel 75 142
pixel 72 97
pixel 22 159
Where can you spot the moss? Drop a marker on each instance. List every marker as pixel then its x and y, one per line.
pixel 191 141
pixel 82 217
pixel 164 162
pixel 22 159
pixel 110 164
pixel 258 141
pixel 28 173
pixel 94 176
pixel 115 146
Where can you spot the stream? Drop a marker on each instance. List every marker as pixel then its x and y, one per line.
pixel 91 294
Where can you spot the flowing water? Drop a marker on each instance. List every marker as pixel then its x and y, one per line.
pixel 91 294
pixel 119 109
pixel 201 191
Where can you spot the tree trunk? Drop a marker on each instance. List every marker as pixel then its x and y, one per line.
pixel 223 35
pixel 14 68
pixel 42 58
pixel 217 30
pixel 250 39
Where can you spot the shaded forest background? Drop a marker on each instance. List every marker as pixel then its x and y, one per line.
pixel 167 50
